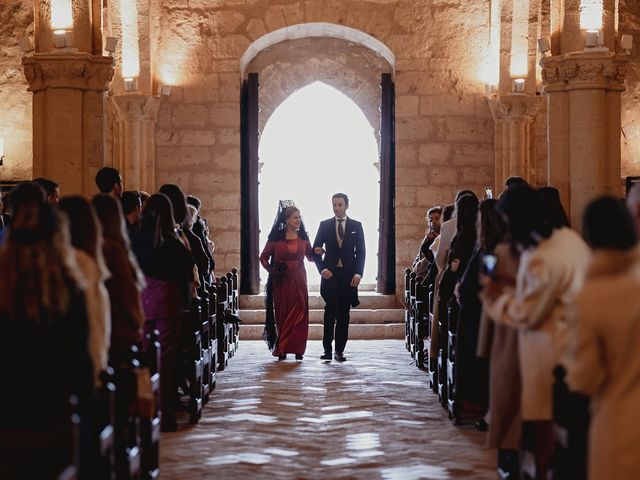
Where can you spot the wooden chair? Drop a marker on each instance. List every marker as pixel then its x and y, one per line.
pixel 407 308
pixel 126 424
pixel 72 471
pixel 231 321
pixel 213 330
pixel 150 422
pixel 205 334
pixel 221 328
pixel 421 321
pixel 192 361
pixel 443 329
pixel 452 338
pixel 433 363
pixel 571 428
pixel 236 305
pixel 104 410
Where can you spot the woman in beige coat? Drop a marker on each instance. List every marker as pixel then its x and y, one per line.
pixel 551 272
pixel 604 358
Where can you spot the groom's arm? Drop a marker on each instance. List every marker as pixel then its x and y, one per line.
pixel 319 242
pixel 360 251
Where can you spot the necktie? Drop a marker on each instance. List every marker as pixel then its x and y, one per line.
pixel 341 228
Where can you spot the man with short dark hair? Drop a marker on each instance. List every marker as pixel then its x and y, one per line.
pixel 132 209
pixel 200 229
pixel 515 181
pixel 109 181
pixel 424 256
pixel 51 188
pixel 341 239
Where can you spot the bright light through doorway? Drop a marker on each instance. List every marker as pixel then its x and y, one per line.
pixel 316 143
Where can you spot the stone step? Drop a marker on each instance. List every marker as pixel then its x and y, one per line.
pixel 368 300
pixel 390 331
pixel 358 316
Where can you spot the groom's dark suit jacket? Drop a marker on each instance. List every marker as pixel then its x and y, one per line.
pixel 352 253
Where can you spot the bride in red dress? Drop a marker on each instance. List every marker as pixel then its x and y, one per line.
pixel 283 257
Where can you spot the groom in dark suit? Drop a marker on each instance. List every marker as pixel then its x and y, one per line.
pixel 341 239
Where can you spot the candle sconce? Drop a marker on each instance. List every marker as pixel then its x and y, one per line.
pixel 63 38
pixel 130 84
pixel 518 86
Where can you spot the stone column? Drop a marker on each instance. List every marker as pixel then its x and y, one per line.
pixel 134 119
pixel 514 116
pixel 68 116
pixel 583 90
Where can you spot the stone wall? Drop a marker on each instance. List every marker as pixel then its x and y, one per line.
pixel 16 21
pixel 630 24
pixel 444 129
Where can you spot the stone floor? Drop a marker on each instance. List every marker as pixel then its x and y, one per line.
pixel 372 417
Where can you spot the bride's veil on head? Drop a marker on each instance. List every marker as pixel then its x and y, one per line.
pixel 279 223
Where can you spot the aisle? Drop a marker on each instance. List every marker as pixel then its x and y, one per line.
pixel 369 418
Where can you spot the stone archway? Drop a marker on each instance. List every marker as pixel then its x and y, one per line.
pixel 344 58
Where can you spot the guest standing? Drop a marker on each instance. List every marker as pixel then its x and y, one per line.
pixel 86 238
pixel 168 267
pixel 126 281
pixel 43 346
pixel 603 361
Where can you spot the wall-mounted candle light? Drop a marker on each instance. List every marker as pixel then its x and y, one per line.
pixel 491 73
pixel 62 23
pixel 518 85
pixel 130 48
pixel 519 67
pixel 591 20
pixel 626 43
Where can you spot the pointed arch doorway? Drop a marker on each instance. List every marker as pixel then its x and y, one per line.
pixel 362 71
pixel 316 143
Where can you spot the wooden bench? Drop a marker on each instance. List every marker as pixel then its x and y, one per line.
pixel 421 320
pixel 150 420
pixel 221 328
pixel 126 424
pixel 191 359
pixel 452 337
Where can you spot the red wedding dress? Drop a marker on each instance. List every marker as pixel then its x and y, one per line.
pixel 290 297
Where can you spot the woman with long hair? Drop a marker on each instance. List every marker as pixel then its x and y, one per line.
pixel 182 216
pixel 167 265
pixel 86 238
pixel 43 346
pixel 126 281
pixel 472 382
pixel 283 257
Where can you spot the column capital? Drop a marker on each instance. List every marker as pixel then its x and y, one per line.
pixel 135 106
pixel 76 70
pixel 521 108
pixel 584 70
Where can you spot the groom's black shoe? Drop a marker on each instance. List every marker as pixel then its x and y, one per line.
pixel 326 356
pixel 340 357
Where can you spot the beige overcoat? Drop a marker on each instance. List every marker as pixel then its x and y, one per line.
pixel 550 275
pixel 500 343
pixel 603 362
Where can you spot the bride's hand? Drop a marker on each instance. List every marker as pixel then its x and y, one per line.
pixel 318 251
